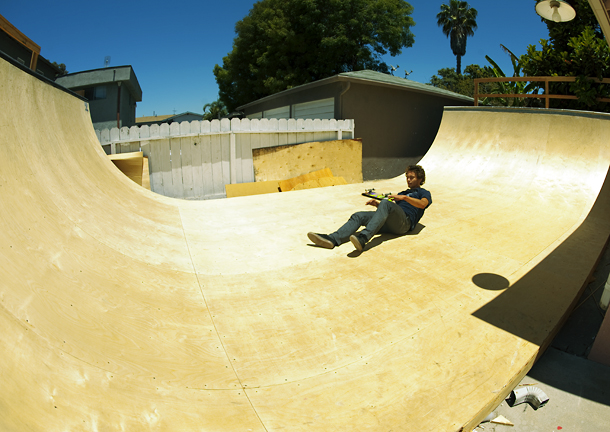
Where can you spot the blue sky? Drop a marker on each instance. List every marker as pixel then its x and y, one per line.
pixel 173 46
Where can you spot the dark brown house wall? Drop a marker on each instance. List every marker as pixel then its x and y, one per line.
pixel 397 126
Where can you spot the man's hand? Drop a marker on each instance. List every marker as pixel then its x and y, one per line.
pixel 373 203
pixel 419 203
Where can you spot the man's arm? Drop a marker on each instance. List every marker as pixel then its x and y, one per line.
pixel 419 203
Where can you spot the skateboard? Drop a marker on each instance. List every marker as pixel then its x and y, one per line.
pixel 378 196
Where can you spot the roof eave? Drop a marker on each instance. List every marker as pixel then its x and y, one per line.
pixel 341 77
pixel 292 90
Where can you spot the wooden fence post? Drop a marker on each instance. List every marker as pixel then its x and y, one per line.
pixel 476 93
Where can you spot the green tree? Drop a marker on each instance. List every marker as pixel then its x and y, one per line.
pixel 449 79
pixel 458 21
pixel 576 48
pixel 61 67
pixel 281 44
pixel 512 87
pixel 214 110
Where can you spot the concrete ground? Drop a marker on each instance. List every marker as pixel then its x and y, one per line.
pixel 578 389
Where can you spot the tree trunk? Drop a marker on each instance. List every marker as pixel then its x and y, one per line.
pixel 459 64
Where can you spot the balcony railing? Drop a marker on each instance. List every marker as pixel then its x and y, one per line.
pixel 546 96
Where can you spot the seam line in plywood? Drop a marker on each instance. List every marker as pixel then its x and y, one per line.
pixel 214 324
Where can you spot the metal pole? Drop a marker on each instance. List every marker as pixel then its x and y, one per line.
pixel 118 107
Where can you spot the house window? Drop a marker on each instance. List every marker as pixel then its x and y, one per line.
pixel 95 93
pixel 100 92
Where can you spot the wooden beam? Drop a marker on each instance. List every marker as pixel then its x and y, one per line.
pixel 546 96
pixel 13 32
pixel 600 9
pixel 34 61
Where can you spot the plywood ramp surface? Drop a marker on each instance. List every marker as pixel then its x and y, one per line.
pixel 126 310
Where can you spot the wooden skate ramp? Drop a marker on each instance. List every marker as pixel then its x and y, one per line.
pixel 126 310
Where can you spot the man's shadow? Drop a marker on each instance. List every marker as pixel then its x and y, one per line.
pixel 377 240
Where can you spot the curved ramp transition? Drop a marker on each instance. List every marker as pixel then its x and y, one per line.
pixel 125 310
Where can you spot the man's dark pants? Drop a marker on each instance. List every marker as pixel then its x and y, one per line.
pixel 388 218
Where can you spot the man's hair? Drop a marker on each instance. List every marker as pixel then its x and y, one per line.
pixel 419 172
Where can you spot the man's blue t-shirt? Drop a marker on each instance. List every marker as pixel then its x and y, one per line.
pixel 413 212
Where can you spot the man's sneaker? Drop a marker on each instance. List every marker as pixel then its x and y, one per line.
pixel 358 240
pixel 321 240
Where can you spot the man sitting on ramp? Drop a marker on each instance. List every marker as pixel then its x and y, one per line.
pixel 396 214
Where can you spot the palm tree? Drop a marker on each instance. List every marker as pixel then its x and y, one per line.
pixel 217 109
pixel 458 21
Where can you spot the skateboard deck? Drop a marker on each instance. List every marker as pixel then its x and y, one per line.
pixel 376 195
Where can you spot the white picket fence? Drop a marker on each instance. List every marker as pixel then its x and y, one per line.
pixel 195 160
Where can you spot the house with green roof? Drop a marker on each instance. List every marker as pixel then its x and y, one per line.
pixel 396 118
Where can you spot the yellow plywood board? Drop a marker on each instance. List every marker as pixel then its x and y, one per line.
pixel 321 182
pixel 254 188
pixel 342 157
pixel 145 173
pixel 131 164
pixel 224 318
pixel 289 184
